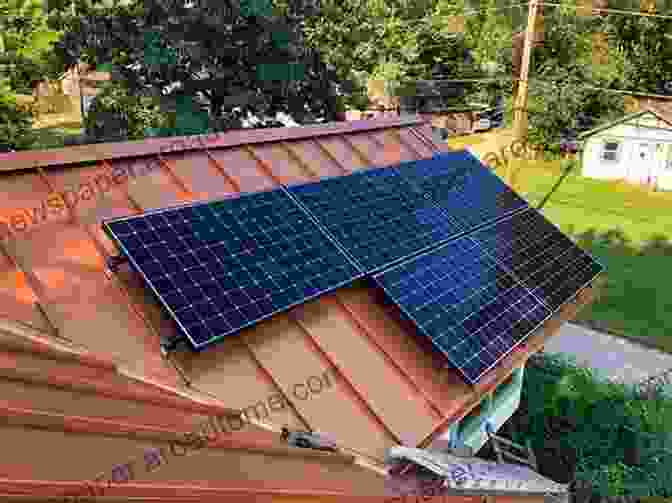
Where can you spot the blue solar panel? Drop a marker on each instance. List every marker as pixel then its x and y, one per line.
pixel 471 308
pixel 466 189
pixel 376 215
pixel 540 256
pixel 220 266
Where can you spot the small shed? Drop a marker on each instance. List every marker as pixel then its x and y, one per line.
pixel 636 148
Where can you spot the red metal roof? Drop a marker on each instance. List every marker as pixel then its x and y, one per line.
pixel 385 386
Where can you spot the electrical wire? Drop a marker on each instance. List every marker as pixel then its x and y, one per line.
pixel 536 79
pixel 466 13
pixel 608 11
pixel 605 89
pixel 622 91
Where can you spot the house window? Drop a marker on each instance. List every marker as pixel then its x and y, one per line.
pixel 610 151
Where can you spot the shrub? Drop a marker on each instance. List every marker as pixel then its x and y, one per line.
pixel 621 440
pixel 115 115
pixel 15 120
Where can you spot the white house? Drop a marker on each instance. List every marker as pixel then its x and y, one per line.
pixel 636 148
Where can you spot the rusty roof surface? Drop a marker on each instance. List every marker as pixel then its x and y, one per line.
pixel 379 385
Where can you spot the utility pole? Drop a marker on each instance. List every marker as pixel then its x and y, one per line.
pixel 520 103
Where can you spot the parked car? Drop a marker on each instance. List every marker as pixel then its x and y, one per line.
pixel 489 119
pixel 497 118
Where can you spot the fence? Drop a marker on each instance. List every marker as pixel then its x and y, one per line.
pixel 659 384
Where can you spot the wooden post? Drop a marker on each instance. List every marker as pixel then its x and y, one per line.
pixel 520 103
pixel 520 109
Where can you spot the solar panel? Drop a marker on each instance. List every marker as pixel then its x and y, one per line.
pixel 220 266
pixel 466 189
pixel 376 215
pixel 540 256
pixel 471 308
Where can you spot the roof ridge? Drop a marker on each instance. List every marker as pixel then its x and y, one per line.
pixel 23 160
pixel 16 336
pixel 103 391
pixel 18 340
pixel 89 383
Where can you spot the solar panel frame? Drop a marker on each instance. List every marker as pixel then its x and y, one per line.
pixel 533 217
pixel 313 197
pixel 386 281
pixel 193 246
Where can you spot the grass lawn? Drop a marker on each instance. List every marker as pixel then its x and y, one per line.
pixel 629 230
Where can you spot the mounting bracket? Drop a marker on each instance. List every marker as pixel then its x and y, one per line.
pixel 114 261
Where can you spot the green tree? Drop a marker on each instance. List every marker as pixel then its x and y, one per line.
pixel 563 71
pixel 26 40
pixel 559 101
pixel 570 413
pixel 398 42
pixel 646 45
pixel 15 122
pixel 230 60
pixel 117 114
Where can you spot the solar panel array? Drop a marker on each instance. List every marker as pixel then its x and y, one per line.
pixel 460 253
pixel 376 215
pixel 540 256
pixel 219 267
pixel 464 188
pixel 470 306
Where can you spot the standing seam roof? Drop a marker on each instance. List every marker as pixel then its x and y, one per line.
pixel 388 387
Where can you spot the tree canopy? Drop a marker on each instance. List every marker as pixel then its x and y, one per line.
pixel 391 41
pixel 215 64
pixel 26 44
pixel 232 59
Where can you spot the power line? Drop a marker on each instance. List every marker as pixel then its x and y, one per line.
pixel 630 93
pixel 457 15
pixel 475 12
pixel 606 89
pixel 608 11
pixel 586 86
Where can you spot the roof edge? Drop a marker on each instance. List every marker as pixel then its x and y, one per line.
pixel 18 161
pixel 623 119
pixel 48 490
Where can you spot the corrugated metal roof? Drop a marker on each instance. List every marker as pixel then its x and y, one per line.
pixel 386 387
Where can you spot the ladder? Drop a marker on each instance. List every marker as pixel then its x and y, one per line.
pixel 502 453
pixel 648 385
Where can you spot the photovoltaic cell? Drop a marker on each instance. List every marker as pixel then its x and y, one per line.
pixel 466 189
pixel 472 309
pixel 221 266
pixel 376 215
pixel 540 256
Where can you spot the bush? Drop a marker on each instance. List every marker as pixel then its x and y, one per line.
pixel 15 120
pixel 116 116
pixel 619 442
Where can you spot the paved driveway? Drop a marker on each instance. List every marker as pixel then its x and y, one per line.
pixel 613 357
